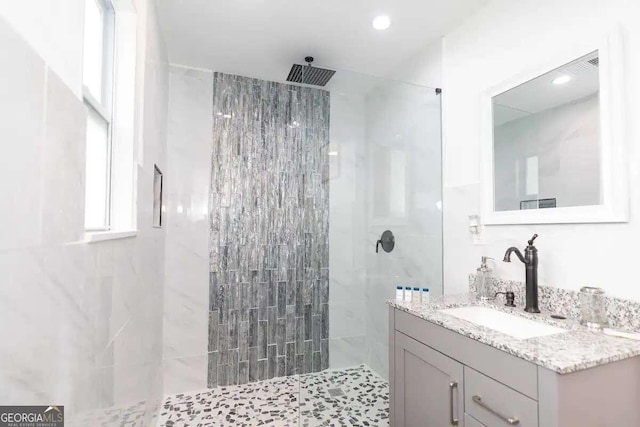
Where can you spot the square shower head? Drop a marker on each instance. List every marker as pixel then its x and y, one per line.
pixel 310 75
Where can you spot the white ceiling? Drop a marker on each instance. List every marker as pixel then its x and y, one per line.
pixel 263 38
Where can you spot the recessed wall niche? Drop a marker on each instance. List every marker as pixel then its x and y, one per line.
pixel 158 181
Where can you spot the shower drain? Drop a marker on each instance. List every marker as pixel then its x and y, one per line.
pixel 335 392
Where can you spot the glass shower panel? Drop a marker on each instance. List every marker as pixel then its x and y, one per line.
pixel 385 168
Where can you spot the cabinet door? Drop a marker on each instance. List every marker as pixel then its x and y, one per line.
pixel 428 386
pixel 469 421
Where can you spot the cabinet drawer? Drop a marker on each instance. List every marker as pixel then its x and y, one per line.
pixel 469 421
pixel 493 403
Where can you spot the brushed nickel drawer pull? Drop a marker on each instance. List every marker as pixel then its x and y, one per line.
pixel 511 420
pixel 452 386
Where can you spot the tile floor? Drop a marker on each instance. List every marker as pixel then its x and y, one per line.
pixel 132 415
pixel 345 397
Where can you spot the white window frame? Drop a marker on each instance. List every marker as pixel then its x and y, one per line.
pixel 119 112
pixel 104 109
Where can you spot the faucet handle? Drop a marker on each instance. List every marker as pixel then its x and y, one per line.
pixel 532 239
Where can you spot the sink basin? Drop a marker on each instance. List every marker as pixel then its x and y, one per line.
pixel 515 326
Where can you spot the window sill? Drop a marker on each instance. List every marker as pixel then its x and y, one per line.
pixel 101 236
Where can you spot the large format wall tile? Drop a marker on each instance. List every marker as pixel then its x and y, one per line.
pixel 81 323
pixel 347 232
pixel 23 83
pixel 185 374
pixel 269 231
pixel 63 166
pixel 404 151
pixel 188 171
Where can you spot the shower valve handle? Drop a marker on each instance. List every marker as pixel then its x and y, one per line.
pixel 387 241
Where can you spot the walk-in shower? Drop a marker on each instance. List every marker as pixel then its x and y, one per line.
pixel 303 183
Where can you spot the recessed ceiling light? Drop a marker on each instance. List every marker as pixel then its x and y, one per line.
pixel 333 153
pixel 381 22
pixel 561 80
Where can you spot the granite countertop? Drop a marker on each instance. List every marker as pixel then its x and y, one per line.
pixel 575 350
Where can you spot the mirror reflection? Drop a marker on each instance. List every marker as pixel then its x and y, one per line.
pixel 546 136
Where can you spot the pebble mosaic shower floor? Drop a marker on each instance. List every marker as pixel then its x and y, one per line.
pixel 345 397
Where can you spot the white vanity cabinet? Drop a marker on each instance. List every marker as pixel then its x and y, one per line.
pixel 440 378
pixel 469 421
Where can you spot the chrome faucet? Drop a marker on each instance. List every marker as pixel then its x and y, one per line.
pixel 530 260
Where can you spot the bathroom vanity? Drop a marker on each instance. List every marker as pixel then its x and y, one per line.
pixel 522 369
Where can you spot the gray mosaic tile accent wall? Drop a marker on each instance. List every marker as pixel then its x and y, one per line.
pixel 269 231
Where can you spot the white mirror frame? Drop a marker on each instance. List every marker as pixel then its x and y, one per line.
pixel 614 163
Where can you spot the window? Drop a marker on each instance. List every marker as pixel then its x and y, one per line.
pixel 532 175
pixel 98 172
pixel 109 88
pixel 97 89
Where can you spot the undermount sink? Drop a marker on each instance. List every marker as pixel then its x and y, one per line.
pixel 515 326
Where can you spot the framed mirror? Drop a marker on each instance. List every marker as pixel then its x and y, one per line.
pixel 554 141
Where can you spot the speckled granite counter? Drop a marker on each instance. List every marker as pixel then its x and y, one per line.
pixel 575 350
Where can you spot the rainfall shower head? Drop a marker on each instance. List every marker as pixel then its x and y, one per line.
pixel 309 75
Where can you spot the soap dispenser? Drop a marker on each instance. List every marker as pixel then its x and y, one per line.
pixel 483 281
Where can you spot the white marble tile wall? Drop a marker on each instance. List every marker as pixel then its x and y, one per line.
pixel 24 83
pixel 186 304
pixel 403 152
pixel 386 175
pixel 58 41
pixel 81 323
pixel 504 40
pixel 347 231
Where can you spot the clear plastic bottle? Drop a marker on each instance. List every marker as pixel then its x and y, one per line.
pixel 416 294
pixel 407 294
pixel 399 293
pixel 484 289
pixel 425 295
